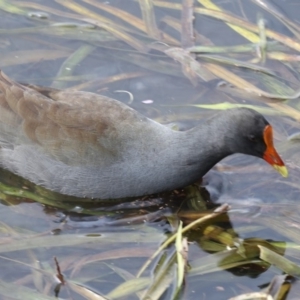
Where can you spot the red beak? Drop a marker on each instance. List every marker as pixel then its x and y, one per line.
pixel 271 156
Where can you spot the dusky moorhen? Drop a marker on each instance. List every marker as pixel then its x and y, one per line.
pixel 88 145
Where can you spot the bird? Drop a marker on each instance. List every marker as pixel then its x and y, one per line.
pixel 88 145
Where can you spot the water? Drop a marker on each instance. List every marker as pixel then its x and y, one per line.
pixel 101 245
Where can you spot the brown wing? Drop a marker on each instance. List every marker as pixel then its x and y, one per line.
pixel 74 127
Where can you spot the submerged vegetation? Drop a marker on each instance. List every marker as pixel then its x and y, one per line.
pixel 175 62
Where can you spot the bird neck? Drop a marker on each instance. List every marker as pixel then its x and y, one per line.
pixel 206 145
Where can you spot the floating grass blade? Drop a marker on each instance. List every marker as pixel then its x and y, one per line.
pixel 243 84
pixel 243 32
pixel 129 287
pixel 104 23
pixel 262 45
pixel 232 49
pixel 165 275
pixel 283 56
pixel 107 80
pixel 276 290
pixel 220 210
pixel 12 8
pixel 68 66
pixel 86 292
pixel 30 56
pixel 122 35
pixel 279 261
pixel 251 27
pixel 120 14
pixel 67 30
pixel 236 63
pixel 180 259
pixel 270 7
pixel 228 105
pixel 290 42
pixel 223 260
pixel 147 9
pixel 47 9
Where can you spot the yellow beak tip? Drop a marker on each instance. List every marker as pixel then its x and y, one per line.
pixel 282 170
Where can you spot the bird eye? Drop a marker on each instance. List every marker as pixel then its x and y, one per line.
pixel 252 138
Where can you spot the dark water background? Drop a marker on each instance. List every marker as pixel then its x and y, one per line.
pixel 264 205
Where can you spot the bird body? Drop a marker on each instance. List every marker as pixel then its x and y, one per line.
pixel 88 145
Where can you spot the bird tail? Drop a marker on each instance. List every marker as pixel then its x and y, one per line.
pixel 5 82
pixel 3 77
